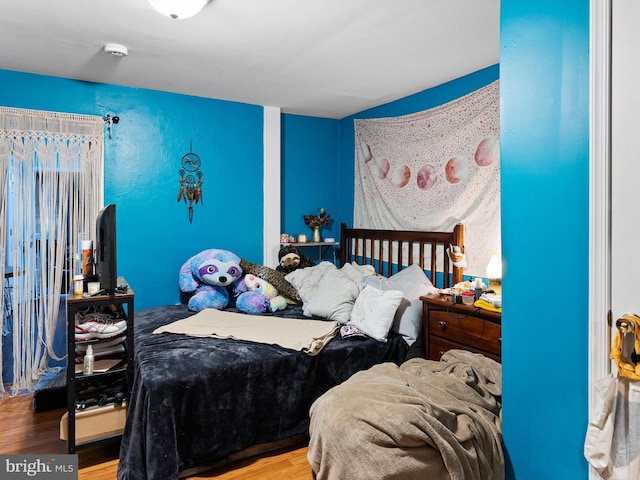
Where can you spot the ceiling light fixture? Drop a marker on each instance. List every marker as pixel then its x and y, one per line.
pixel 179 9
pixel 116 50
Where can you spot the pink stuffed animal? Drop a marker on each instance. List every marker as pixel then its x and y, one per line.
pixel 256 284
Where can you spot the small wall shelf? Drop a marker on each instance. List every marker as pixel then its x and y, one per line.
pixel 323 247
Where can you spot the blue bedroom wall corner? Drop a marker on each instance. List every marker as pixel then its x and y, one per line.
pixel 310 166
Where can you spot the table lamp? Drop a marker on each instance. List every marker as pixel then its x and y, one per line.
pixel 494 274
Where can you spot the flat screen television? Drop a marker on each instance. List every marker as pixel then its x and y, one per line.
pixel 105 259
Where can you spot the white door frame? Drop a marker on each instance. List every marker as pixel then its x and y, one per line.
pixel 599 195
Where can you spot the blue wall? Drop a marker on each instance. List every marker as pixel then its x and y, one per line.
pixel 544 85
pixel 310 162
pixel 142 160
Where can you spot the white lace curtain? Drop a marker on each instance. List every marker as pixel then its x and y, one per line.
pixel 51 189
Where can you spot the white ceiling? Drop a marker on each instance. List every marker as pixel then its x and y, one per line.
pixel 324 58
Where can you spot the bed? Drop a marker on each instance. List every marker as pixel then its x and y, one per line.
pixel 420 419
pixel 200 402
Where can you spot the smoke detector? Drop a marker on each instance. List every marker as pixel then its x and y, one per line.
pixel 116 50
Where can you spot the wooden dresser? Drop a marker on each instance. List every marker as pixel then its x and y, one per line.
pixel 447 326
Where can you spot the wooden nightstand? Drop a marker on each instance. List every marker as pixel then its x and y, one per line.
pixel 447 326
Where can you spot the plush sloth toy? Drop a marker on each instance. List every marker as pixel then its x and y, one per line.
pixel 207 276
pixel 291 258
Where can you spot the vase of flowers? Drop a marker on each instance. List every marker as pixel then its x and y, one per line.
pixel 317 221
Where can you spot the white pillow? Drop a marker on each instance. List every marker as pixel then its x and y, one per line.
pixel 351 272
pixel 413 283
pixel 333 297
pixel 365 269
pixel 305 280
pixel 374 310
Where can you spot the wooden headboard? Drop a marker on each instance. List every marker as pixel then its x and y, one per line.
pixel 395 247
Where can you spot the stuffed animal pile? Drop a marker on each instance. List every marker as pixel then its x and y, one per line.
pixel 215 279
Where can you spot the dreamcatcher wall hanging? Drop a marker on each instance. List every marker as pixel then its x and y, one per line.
pixel 190 180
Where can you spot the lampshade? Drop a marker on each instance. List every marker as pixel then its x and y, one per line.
pixel 494 274
pixel 494 268
pixel 178 9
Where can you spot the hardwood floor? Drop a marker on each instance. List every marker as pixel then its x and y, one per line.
pixel 37 433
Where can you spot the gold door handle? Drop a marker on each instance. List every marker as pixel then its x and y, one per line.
pixel 627 323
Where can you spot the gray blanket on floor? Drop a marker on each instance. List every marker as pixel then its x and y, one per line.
pixel 424 419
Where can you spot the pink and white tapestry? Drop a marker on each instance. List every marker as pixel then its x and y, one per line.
pixel 432 169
